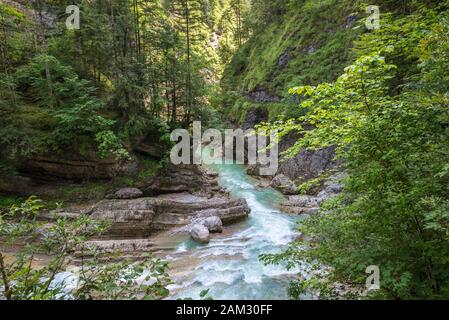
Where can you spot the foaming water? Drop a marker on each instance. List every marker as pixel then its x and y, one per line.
pixel 229 265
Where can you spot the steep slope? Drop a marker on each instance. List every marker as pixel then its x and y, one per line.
pixel 293 42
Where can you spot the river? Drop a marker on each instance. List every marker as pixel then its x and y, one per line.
pixel 229 265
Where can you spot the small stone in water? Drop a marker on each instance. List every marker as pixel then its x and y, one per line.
pixel 214 224
pixel 200 234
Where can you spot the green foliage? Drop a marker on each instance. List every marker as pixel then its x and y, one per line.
pixel 22 280
pixel 149 169
pixel 108 143
pixel 70 101
pixel 131 66
pixel 293 42
pixel 126 280
pixel 310 186
pixel 7 202
pixel 204 296
pixel 392 136
pixel 28 209
pixel 338 109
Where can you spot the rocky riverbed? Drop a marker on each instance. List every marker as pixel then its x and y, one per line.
pixel 211 224
pixel 135 217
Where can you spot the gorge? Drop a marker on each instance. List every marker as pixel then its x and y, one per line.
pixel 98 99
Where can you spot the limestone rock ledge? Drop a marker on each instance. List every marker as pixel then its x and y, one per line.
pixel 113 250
pixel 306 204
pixel 133 221
pixel 138 218
pixel 183 178
pixel 77 169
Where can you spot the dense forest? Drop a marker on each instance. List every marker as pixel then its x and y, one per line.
pixel 134 67
pixel 88 110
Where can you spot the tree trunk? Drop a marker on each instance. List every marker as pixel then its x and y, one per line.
pixel 189 76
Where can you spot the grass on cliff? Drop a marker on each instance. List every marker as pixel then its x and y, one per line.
pixel 315 36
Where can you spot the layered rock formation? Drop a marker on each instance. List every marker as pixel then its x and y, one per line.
pixel 182 178
pixel 128 193
pixel 138 218
pixel 284 184
pixel 77 169
pixel 298 205
pixel 112 250
pixel 308 204
pixel 177 198
pixel 128 218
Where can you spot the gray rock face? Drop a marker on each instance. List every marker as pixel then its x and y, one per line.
pixel 255 116
pixel 261 95
pixel 311 204
pixel 284 184
pixel 78 169
pixel 182 178
pixel 306 165
pixel 128 193
pixel 298 205
pixel 200 234
pixel 128 218
pixel 284 59
pixel 111 250
pixel 213 224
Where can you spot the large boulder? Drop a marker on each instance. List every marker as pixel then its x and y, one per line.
pixel 284 184
pixel 128 193
pixel 213 224
pixel 200 234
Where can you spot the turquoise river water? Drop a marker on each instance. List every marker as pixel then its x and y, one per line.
pixel 229 265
